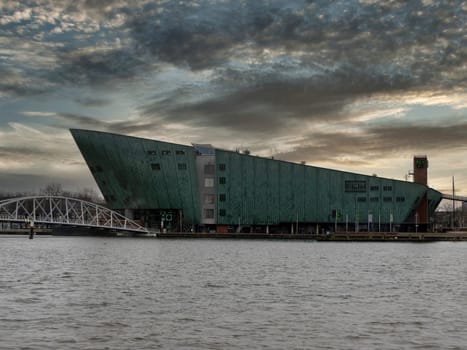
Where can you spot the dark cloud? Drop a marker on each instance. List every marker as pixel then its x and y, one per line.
pixel 92 101
pixel 378 142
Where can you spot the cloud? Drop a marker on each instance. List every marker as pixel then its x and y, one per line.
pixel 377 142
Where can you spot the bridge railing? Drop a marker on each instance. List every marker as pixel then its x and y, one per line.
pixel 65 211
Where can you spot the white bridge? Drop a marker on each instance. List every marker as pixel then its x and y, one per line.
pixel 60 210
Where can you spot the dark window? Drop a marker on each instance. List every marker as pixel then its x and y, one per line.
pixel 209 169
pixel 179 152
pixel 222 167
pixel 165 153
pixel 152 153
pixel 222 180
pixel 209 213
pixel 355 186
pixel 221 212
pixel 374 188
pixel 387 188
pixel 181 166
pixel 361 199
pixel 155 166
pixel 387 199
pixel 222 197
pixel 374 199
pixel 400 199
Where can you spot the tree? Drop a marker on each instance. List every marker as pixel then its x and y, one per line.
pixel 52 189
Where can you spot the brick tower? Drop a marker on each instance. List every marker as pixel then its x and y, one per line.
pixel 420 176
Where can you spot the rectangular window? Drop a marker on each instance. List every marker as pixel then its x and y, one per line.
pixel 209 182
pixel 179 152
pixel 400 199
pixel 152 153
pixel 181 166
pixel 209 213
pixel 222 180
pixel 209 169
pixel 387 188
pixel 155 166
pixel 166 153
pixel 209 199
pixel 222 197
pixel 374 188
pixel 387 199
pixel 355 186
pixel 361 199
pixel 222 167
pixel 221 212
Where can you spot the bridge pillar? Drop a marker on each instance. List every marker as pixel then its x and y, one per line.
pixel 130 214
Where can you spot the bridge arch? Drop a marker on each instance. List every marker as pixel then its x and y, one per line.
pixel 61 210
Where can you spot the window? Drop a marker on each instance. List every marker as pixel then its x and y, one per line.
pixel 374 188
pixel 209 199
pixel 361 199
pixel 179 152
pixel 222 167
pixel 222 197
pixel 355 186
pixel 221 212
pixel 400 199
pixel 155 166
pixel 165 153
pixel 222 180
pixel 387 188
pixel 374 199
pixel 209 213
pixel 181 166
pixel 387 199
pixel 209 182
pixel 152 153
pixel 209 169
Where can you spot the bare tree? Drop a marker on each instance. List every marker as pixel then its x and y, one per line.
pixel 52 189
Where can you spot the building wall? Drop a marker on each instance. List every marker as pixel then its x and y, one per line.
pixel 136 173
pixel 266 191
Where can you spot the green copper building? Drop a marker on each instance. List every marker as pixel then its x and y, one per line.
pixel 180 188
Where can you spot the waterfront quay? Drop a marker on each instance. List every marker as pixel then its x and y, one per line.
pixel 336 236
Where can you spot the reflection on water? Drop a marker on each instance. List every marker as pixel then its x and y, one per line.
pixel 122 293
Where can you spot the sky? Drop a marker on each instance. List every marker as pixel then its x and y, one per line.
pixel 354 85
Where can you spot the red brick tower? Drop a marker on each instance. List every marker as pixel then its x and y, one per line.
pixel 420 176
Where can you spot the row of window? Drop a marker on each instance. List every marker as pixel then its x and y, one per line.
pixel 165 152
pixel 385 199
pixel 209 213
pixel 209 198
pixel 157 166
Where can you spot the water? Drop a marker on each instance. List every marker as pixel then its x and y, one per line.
pixel 124 293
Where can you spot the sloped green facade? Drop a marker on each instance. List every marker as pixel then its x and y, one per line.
pixel 136 173
pixel 142 174
pixel 265 191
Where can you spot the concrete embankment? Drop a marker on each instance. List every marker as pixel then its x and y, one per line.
pixel 337 236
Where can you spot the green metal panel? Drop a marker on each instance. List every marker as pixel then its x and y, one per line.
pixel 261 190
pixel 125 170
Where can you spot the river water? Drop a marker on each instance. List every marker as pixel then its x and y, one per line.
pixel 126 293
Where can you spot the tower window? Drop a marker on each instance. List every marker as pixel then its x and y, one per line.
pixel 155 166
pixel 222 180
pixel 181 166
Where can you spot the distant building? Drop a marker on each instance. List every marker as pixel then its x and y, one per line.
pixel 180 188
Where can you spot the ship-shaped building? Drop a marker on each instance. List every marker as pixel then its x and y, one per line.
pixel 176 187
